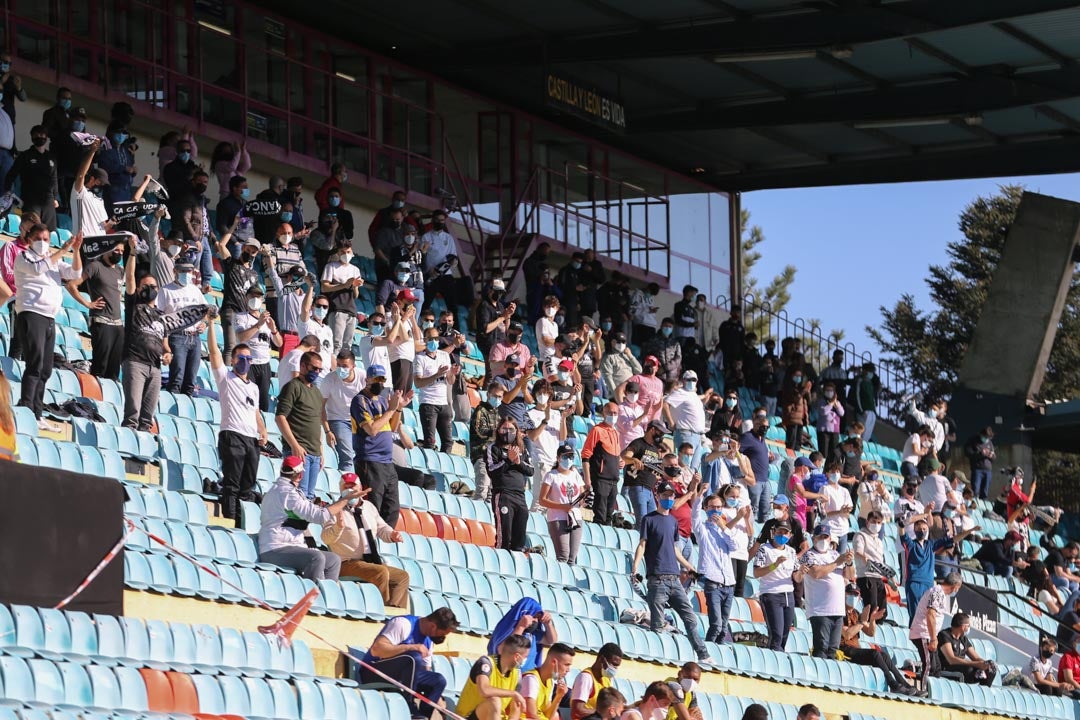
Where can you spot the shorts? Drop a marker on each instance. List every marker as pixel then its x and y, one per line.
pixel 872 590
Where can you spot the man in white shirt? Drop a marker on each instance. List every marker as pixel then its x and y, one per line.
pixel 684 411
pixel 823 589
pixel 935 487
pixel 285 516
pixel 185 345
pixel 313 322
pixel 927 621
pixel 838 507
pixel 375 347
pixel 289 365
pixel 339 388
pixel 933 420
pixel 869 551
pixel 549 431
pixel 437 244
pixel 547 329
pixel 256 328
pixel 242 430
pixel 341 282
pixel 88 214
pixel 40 275
pixel 433 372
pixel 353 537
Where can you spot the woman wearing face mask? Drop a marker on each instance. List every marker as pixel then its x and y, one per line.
pixel 794 408
pixel 776 569
pixel 837 506
pixel 39 276
pixel 119 163
pixel 651 393
pixel 547 329
pixel 185 344
pixel 509 467
pixel 654 704
pixel 257 329
pixel 729 417
pixel 632 418
pixel 549 430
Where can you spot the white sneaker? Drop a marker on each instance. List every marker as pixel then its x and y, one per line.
pixel 706 660
pixel 47 426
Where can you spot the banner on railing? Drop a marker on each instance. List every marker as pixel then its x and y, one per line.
pixel 585 101
pixel 980 605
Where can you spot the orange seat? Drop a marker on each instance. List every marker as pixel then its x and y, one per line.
pixel 185 696
pixel 89 386
pixel 444 527
pixel 427 524
pixel 408 516
pixel 489 535
pixel 756 614
pixel 460 530
pixel 476 533
pixel 159 694
pixel 701 606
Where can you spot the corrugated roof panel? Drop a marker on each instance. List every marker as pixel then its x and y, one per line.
pixel 1060 29
pixel 693 76
pixel 804 74
pixel 896 60
pixel 980 45
pixel 835 139
pixel 1018 121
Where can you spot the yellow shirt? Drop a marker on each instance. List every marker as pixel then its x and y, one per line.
pixel 487 666
pixel 598 685
pixel 8 449
pixel 545 693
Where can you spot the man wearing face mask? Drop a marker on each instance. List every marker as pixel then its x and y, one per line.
pixel 493 318
pixel 685 314
pixel 837 506
pixel 619 365
pixel 601 464
pixel 57 118
pixel 509 345
pixel 667 350
pixel 659 547
pixel 714 564
pixel 240 277
pixel 632 419
pixel 919 554
pixel 490 692
pixel 313 316
pixel 926 623
pixel 119 162
pixel 388 241
pixel 257 329
pixel 392 286
pixel 482 426
pixel 776 568
pixel 684 704
pixel 549 430
pixel 338 389
pixel 102 279
pixel 825 573
pixel 509 466
pixel 752 445
pixel 88 215
pixel 643 460
pixel 242 430
pixel 409 264
pixel 375 346
pixel 185 344
pixel 373 441
pixel 36 169
pixel 684 410
pixel 176 175
pixel 434 372
pixel 437 244
pixel 593 691
pixel 571 280
pixel 301 417
pixel 533 269
pixel 545 687
pixel 643 310
pixel 341 282
pixel 230 206
pixel 285 255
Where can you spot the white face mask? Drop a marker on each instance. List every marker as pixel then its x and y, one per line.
pixel 834 478
pixel 631 398
pixel 550 312
pixel 778 514
pixel 255 304
pixel 174 250
pixel 41 247
pixel 688 684
pixel 822 545
pixel 874 528
pixel 286 239
pixel 619 347
pixel 542 399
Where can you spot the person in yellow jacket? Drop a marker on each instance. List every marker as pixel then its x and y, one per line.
pixel 544 687
pixel 684 688
pixel 491 692
pixel 593 679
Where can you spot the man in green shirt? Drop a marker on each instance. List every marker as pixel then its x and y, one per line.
pixel 301 417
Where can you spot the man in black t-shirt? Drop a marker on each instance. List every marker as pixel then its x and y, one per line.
pixel 957 654
pixel 103 279
pixel 493 319
pixel 643 459
pixel 240 277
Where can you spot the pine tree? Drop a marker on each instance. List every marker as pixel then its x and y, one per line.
pixel 929 345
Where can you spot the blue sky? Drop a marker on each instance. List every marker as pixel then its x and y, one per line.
pixel 859 247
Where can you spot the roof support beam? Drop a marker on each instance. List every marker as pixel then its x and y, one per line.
pixel 1035 43
pixel 849 25
pixel 981 92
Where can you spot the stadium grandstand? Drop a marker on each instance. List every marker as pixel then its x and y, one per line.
pixel 377 361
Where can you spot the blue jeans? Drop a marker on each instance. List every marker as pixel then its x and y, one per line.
pixel 206 261
pixel 642 501
pixel 408 671
pixel 826 629
pixel 761 495
pixel 667 590
pixel 779 610
pixel 1066 585
pixel 718 600
pixel 312 468
pixel 342 430
pixel 184 368
pixel 980 483
pixel 6 161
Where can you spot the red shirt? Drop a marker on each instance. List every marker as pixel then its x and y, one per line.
pixel 682 513
pixel 1015 498
pixel 1069 661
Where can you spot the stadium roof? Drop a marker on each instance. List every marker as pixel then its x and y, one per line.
pixel 750 94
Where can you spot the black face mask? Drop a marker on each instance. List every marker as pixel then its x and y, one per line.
pixel 1046 654
pixel 511 372
pixel 199 189
pixel 147 294
pixel 246 258
pixel 445 327
pixel 673 471
pixel 513 338
pixel 376 388
pixel 114 257
pixel 649 370
pixel 496 295
pixel 761 430
pixel 39 141
pixel 437 640
pixel 438 225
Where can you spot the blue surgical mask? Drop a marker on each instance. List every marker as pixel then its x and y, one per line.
pixel 732 502
pixel 245 193
pixel 402 277
pixel 712 512
pixel 665 331
pixel 65 103
pixel 286 216
pixel 343 373
pixel 432 345
pixel 667 503
pixel 377 330
pixel 834 478
pixel 689 385
pixel 605 326
pixel 241 364
pixel 76 125
pixel 5 67
pixel 781 539
pixel 319 313
pixel 311 375
pixel 335 201
pixel 427 325
pixel 495 402
pixel 687 459
pixel 183 157
pixel 729 403
pixel 797 379
pixel 120 138
pixel 566 462
pixel 576 265
pixel 183 278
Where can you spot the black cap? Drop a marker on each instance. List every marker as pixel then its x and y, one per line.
pixel 664 487
pixel 619 337
pixel 632 386
pixel 565 449
pixel 515 326
pixel 100 175
pixel 659 425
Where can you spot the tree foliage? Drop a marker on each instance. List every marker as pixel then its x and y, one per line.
pixel 929 345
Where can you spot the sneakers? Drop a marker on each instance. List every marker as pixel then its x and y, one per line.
pixel 47 426
pixel 706 659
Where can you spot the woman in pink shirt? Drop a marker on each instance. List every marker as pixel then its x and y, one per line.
pixel 227 162
pixel 651 395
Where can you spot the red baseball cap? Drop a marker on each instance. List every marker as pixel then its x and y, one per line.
pixel 408 295
pixel 651 360
pixel 566 364
pixel 292 465
pixel 349 478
